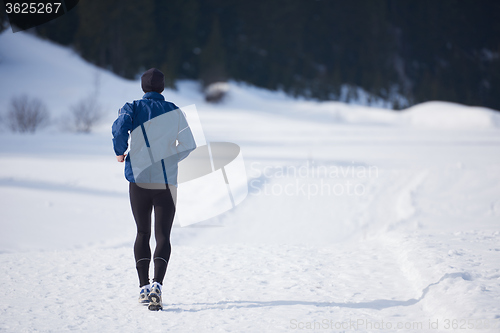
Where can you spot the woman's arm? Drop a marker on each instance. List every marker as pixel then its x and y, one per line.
pixel 186 143
pixel 121 128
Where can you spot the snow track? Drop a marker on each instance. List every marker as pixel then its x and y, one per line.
pixel 252 287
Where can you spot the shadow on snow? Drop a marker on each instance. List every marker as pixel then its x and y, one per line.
pixel 376 304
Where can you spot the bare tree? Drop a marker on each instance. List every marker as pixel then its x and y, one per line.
pixel 27 114
pixel 84 115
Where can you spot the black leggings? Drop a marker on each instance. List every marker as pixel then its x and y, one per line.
pixel 143 201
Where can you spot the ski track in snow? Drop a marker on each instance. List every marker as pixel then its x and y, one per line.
pixel 224 288
pixel 420 245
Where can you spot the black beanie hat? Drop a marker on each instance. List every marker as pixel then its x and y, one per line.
pixel 153 80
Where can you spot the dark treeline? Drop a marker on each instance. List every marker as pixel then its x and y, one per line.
pixel 420 49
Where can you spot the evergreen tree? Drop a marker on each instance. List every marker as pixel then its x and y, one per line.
pixel 62 29
pixel 212 57
pixel 116 34
pixel 176 43
pixel 4 20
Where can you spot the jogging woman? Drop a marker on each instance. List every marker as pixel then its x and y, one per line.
pixel 160 138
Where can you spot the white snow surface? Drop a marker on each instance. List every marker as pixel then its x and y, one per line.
pixel 357 219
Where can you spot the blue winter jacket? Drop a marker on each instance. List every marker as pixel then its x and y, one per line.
pixel 160 138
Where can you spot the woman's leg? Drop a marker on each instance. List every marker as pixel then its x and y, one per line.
pixel 142 204
pixel 164 210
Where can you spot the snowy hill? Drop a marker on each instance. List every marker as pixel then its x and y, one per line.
pixel 60 78
pixel 355 216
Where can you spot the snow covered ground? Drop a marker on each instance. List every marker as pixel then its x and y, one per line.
pixel 357 219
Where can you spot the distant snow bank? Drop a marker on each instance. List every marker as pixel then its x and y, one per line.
pixel 447 115
pixel 60 78
pixel 428 115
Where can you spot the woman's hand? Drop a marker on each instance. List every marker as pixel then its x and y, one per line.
pixel 121 158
